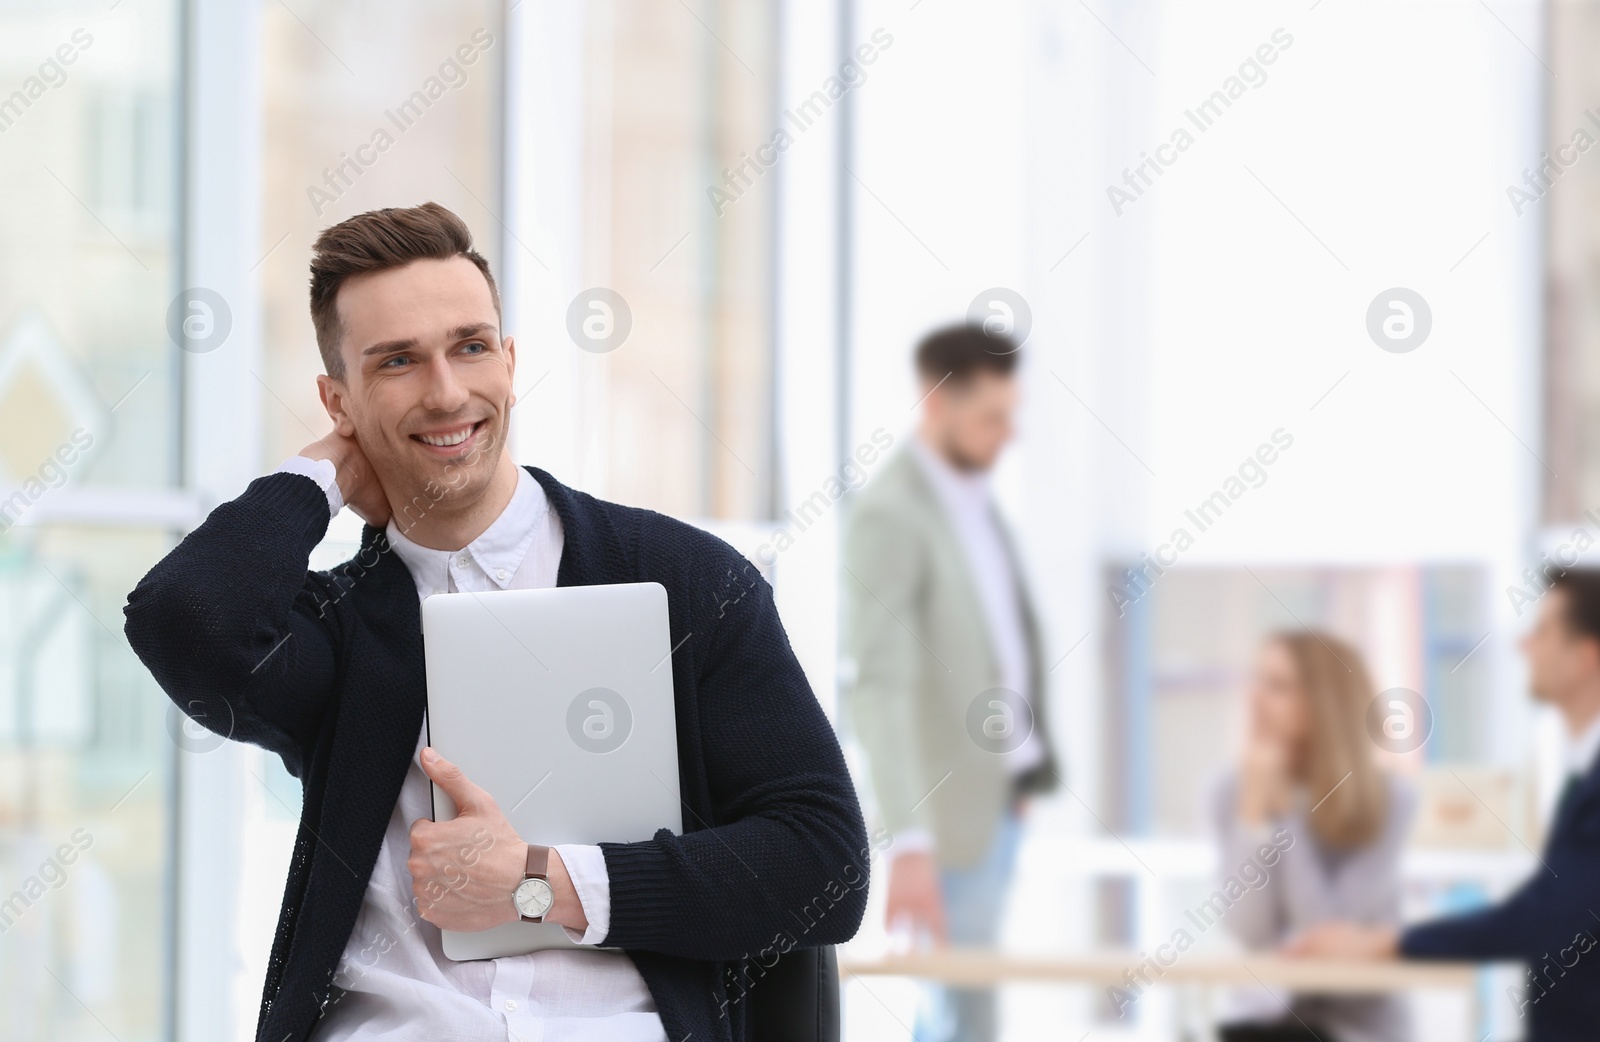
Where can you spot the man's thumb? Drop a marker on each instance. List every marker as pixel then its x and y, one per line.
pixel 449 778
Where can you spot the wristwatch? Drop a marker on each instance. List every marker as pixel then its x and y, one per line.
pixel 533 896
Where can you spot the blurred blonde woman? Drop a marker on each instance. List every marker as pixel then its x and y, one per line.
pixel 1307 782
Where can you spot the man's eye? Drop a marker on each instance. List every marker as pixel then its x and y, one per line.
pixel 480 345
pixel 389 363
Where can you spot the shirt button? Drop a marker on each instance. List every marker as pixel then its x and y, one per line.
pixel 501 573
pixel 461 562
pixel 511 1005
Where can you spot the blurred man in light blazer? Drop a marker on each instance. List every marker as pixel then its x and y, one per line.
pixel 947 699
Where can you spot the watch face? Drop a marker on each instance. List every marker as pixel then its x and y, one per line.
pixel 534 897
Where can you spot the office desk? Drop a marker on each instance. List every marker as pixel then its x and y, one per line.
pixel 975 967
pixel 1194 977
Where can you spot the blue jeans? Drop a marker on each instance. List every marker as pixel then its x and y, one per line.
pixel 974 903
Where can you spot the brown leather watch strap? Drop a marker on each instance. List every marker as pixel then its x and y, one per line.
pixel 538 860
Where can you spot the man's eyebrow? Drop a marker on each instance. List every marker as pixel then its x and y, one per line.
pixel 387 347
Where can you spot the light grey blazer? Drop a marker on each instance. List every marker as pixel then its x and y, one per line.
pixel 1311 884
pixel 918 646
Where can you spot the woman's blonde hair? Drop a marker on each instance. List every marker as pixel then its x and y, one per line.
pixel 1343 783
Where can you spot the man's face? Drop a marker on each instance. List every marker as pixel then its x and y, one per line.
pixel 1560 660
pixel 427 388
pixel 973 419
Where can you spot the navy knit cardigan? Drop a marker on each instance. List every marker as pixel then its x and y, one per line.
pixel 326 670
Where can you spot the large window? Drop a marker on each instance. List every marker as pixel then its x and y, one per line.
pixel 680 184
pixel 88 440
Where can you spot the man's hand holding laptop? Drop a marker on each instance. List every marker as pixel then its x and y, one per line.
pixel 464 870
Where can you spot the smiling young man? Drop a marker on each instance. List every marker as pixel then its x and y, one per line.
pixel 326 670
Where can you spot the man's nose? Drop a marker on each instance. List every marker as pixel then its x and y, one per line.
pixel 443 391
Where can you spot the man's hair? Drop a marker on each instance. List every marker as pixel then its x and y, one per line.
pixel 1582 589
pixel 376 241
pixel 959 352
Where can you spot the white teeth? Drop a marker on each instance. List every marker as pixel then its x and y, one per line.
pixel 444 441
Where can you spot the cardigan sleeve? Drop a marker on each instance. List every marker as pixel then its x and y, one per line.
pixel 233 626
pixel 1536 920
pixel 1552 913
pixel 784 862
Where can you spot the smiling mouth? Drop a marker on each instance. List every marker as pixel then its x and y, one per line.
pixel 451 438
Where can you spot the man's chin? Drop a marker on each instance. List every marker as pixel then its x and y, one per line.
pixel 972 464
pixel 434 477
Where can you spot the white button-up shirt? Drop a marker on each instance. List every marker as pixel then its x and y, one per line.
pixel 398 982
pixel 970 507
pixel 1582 749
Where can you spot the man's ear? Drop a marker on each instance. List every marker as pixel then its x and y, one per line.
pixel 510 345
pixel 334 393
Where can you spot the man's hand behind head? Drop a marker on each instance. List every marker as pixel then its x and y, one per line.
pixel 358 483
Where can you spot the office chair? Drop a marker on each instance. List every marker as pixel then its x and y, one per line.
pixel 798 999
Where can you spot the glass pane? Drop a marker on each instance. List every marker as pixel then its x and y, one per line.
pixel 88 401
pixel 682 119
pixel 85 815
pixel 87 266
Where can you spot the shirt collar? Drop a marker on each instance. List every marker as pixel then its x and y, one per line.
pixel 498 550
pixel 1581 749
pixel 956 487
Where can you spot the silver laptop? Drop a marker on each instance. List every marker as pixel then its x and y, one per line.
pixel 557 702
